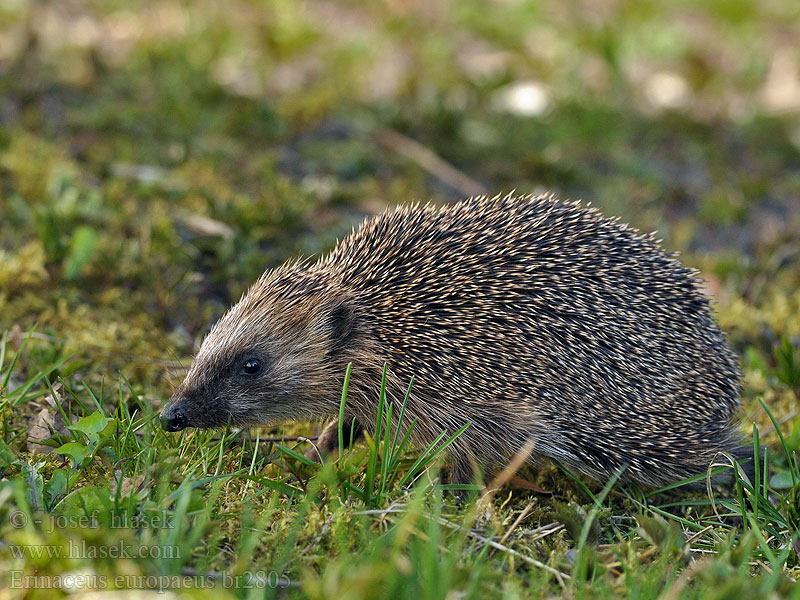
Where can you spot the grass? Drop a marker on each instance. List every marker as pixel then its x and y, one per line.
pixel 156 156
pixel 257 518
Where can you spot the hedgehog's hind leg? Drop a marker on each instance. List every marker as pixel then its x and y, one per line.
pixel 328 438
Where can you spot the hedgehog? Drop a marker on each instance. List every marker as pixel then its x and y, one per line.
pixel 539 324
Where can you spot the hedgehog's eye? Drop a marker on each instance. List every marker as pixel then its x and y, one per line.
pixel 252 367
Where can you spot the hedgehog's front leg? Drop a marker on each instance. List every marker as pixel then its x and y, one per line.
pixel 328 438
pixel 464 470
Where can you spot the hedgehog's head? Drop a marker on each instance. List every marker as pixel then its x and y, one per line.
pixel 271 357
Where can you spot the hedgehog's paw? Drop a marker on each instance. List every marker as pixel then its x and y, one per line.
pixel 328 438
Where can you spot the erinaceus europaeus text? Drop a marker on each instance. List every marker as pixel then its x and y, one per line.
pixel 529 318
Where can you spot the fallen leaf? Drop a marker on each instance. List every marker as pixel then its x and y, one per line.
pixel 527 485
pixel 127 485
pixel 42 428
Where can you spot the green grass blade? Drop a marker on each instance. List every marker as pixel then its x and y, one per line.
pixel 373 462
pixel 345 387
pixel 793 471
pixel 431 452
pixel 294 455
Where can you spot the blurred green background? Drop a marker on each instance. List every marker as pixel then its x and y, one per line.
pixel 155 157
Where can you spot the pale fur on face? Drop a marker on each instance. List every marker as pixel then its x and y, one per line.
pixel 288 321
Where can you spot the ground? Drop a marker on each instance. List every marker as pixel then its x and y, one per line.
pixel 156 157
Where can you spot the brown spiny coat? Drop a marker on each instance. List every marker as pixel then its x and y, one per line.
pixel 529 318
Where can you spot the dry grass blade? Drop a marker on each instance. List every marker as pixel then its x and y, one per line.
pixel 516 522
pixel 508 472
pixel 429 161
pixel 560 577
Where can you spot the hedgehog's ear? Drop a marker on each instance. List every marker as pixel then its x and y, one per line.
pixel 341 319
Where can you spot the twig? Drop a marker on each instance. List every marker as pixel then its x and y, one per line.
pixel 275 438
pixel 516 522
pixel 698 534
pixel 544 531
pixel 764 566
pixel 429 161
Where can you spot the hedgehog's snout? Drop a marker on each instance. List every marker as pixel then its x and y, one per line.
pixel 195 407
pixel 173 417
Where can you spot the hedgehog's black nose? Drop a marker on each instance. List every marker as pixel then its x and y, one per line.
pixel 173 418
